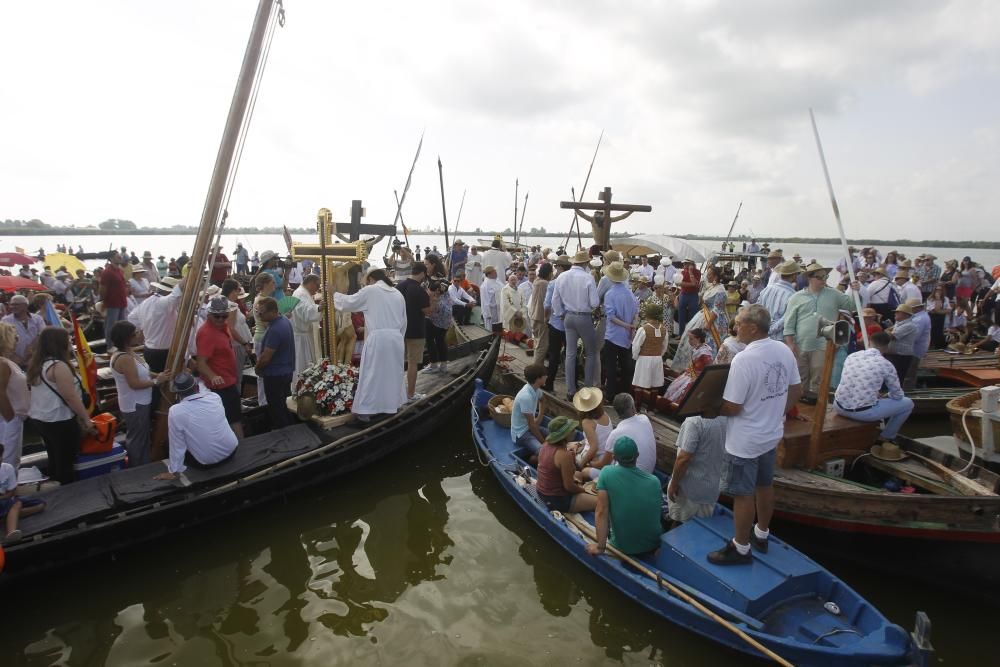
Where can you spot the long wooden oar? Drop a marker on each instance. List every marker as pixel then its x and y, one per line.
pixel 590 532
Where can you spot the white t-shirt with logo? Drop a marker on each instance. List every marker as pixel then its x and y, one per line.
pixel 759 378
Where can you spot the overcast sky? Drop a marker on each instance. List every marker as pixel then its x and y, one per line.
pixel 115 109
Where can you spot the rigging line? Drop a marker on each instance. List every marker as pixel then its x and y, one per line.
pixel 276 19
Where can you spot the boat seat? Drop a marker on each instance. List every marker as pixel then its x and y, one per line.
pixel 754 589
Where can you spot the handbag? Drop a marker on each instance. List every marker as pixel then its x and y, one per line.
pixel 106 424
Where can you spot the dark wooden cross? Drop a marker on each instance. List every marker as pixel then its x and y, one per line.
pixel 355 229
pixel 601 220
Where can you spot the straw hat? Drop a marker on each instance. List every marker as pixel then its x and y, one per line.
pixel 267 256
pixel 902 273
pixel 880 271
pixel 517 322
pixel 688 260
pixel 563 260
pixel 904 308
pixel 815 267
pixel 887 451
pixel 906 264
pixel 560 428
pixel 596 262
pixel 787 269
pixel 587 399
pixel 643 280
pixel 581 257
pixel 732 283
pixel 612 256
pixel 615 271
pixel 775 254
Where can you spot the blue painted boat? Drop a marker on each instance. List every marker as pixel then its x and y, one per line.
pixel 784 600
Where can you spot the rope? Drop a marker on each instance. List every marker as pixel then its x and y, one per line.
pixel 475 446
pixel 972 443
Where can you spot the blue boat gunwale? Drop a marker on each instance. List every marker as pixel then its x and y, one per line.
pixel 886 644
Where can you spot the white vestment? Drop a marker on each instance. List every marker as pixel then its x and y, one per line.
pixel 380 385
pixel 490 296
pixel 510 303
pixel 305 319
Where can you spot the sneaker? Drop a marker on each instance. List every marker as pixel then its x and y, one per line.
pixel 427 370
pixel 728 555
pixel 757 544
pixel 13 536
pixel 416 397
pixel 443 370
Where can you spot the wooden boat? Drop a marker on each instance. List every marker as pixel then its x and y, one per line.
pixel 104 514
pixel 106 254
pixel 973 370
pixel 784 601
pixel 931 401
pixel 966 416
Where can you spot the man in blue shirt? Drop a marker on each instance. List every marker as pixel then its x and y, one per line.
pixel 276 362
pixel 526 428
pixel 621 308
pixel 557 329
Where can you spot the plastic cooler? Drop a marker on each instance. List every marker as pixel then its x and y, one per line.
pixel 92 465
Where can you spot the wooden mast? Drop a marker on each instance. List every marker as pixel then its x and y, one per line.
pixel 217 186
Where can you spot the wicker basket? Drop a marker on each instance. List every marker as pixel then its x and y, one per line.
pixel 502 418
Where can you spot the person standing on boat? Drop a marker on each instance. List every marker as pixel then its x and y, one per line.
pixel 276 362
pixel 27 325
pixel 418 307
pixel 242 259
pixel 196 429
pixel 904 336
pixel 379 388
pixel 139 284
pixel 474 267
pixel 687 304
pixel 162 267
pixel 498 258
pixel 489 295
pixel 621 308
pixel 801 320
pixel 763 386
pixel 113 293
pixel 859 394
pixel 216 361
pixel 134 383
pixel 629 502
pixel 14 399
pixel 774 259
pixel 575 299
pixel 694 481
pixel 554 321
pixel 306 317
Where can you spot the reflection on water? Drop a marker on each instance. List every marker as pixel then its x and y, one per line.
pixel 420 560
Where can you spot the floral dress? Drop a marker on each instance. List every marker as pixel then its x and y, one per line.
pixel 714 298
pixel 701 357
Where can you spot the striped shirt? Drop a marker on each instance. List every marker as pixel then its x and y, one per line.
pixel 775 298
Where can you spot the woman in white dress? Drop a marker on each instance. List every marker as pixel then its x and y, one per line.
pixel 381 389
pixel 648 348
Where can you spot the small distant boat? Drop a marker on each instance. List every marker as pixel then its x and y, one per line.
pixel 785 602
pixel 94 255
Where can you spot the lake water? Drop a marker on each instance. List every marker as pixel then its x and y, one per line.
pixel 172 246
pixel 420 559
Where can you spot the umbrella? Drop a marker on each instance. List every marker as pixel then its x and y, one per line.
pixel 658 244
pixel 16 258
pixel 58 259
pixel 14 283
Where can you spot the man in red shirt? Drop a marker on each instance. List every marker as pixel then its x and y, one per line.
pixel 216 361
pixel 113 293
pixel 690 285
pixel 220 270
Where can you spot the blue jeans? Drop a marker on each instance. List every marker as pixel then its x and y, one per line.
pixel 111 315
pixel 686 308
pixel 529 441
pixel 581 327
pixel 893 410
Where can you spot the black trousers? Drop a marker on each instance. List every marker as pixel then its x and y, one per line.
pixel 901 363
pixel 617 364
pixel 557 347
pixel 62 444
pixel 461 314
pixel 937 331
pixel 277 388
pixel 437 346
pixel 156 359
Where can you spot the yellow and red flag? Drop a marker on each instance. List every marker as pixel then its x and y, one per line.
pixel 87 365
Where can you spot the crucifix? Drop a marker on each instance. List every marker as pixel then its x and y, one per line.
pixel 601 220
pixel 356 228
pixel 330 255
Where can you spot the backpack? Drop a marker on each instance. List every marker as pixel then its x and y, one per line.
pixel 893 299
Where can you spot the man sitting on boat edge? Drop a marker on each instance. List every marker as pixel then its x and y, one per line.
pixel 629 501
pixel 858 395
pixel 198 431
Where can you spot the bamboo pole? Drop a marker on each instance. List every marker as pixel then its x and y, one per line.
pixel 819 414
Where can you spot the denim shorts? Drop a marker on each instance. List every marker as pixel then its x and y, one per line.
pixel 741 476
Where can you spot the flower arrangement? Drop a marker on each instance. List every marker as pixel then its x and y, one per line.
pixel 332 385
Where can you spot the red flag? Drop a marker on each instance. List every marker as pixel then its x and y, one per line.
pixel 87 365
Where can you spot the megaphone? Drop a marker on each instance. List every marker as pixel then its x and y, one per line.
pixel 839 332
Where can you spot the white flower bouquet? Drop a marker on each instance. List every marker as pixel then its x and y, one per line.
pixel 332 385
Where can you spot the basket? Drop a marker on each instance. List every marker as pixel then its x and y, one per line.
pixel 501 418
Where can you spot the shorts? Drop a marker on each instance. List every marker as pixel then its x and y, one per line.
pixel 231 402
pixel 415 350
pixel 557 503
pixel 7 504
pixel 741 476
pixel 682 509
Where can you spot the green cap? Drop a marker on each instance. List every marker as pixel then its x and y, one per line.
pixel 560 428
pixel 626 451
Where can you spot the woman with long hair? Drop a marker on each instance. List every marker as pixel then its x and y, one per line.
pixel 134 383
pixel 435 267
pixel 596 426
pixel 57 410
pixel 265 287
pixel 968 281
pixel 14 399
pixel 891 264
pixel 938 306
pixel 711 318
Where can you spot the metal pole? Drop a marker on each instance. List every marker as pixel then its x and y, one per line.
pixel 444 212
pixel 840 228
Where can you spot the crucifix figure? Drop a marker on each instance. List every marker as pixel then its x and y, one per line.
pixel 601 220
pixel 356 228
pixel 335 261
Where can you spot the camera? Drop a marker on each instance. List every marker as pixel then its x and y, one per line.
pixel 439 286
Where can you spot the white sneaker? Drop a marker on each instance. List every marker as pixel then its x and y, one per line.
pixel 443 369
pixel 427 370
pixel 416 397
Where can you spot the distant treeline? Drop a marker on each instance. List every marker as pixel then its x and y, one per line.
pixel 880 243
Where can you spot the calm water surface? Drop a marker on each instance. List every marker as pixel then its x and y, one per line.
pixel 421 560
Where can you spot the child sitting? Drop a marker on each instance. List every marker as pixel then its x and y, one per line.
pixel 13 508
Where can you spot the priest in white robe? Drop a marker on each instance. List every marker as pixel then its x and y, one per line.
pixel 381 389
pixel 510 303
pixel 490 295
pixel 305 324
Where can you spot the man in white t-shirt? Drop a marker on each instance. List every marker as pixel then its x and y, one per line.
pixel 763 386
pixel 632 425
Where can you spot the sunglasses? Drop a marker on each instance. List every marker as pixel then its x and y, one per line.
pixel 220 316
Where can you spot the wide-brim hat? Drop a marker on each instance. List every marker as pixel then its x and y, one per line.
pixel 581 257
pixel 170 281
pixel 732 283
pixel 267 256
pixel 904 308
pixel 787 269
pixel 775 254
pixel 587 399
pixel 880 271
pixel 147 254
pixel 687 260
pixel 906 264
pixel 517 322
pixel 869 312
pixel 166 289
pixel 644 279
pixel 596 263
pixel 797 257
pixel 665 261
pixel 615 271
pixel 887 451
pixel 930 256
pixel 816 267
pixel 138 268
pixel 902 273
pixel 218 306
pixel 612 256
pixel 560 428
pixel 563 260
pixel 915 303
